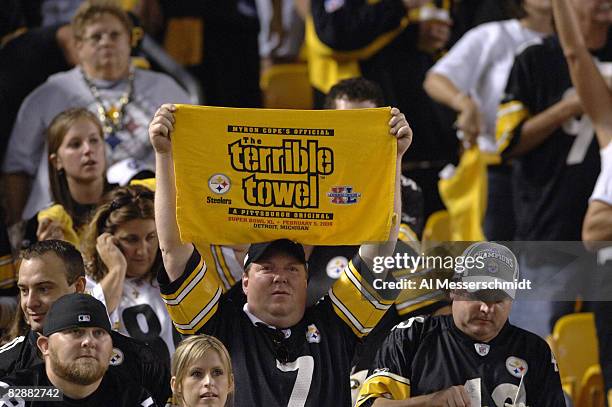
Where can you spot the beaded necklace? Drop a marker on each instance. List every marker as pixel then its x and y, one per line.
pixel 112 118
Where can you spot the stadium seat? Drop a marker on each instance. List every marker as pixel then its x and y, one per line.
pixel 574 344
pixel 286 86
pixel 592 388
pixel 437 228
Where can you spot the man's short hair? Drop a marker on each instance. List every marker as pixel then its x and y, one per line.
pixel 66 252
pixel 355 89
pixel 91 10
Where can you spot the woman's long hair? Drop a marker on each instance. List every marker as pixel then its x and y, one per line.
pixel 56 132
pixel 118 207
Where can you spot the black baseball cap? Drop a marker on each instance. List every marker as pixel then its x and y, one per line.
pixel 258 250
pixel 76 311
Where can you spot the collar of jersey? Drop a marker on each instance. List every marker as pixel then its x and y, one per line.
pixel 255 320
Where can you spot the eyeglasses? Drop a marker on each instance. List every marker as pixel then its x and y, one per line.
pixel 96 38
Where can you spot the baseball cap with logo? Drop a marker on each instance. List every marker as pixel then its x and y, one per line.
pixel 497 263
pixel 76 311
pixel 258 250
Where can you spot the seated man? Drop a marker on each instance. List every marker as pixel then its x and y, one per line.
pixel 283 353
pixel 76 347
pixel 473 357
pixel 49 270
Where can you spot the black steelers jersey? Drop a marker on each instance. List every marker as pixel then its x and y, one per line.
pixel 552 183
pixel 114 390
pixel 425 355
pixel 307 364
pixel 131 359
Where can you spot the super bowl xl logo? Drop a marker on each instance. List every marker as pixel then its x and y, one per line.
pixel 343 195
pixel 303 158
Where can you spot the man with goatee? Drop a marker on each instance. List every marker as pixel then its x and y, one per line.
pixel 76 347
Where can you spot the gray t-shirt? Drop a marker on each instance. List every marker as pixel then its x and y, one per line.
pixel 27 149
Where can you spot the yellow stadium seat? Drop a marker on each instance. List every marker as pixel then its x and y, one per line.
pixel 438 227
pixel 286 86
pixel 592 388
pixel 574 343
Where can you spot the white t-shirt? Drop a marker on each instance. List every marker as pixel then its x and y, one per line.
pixel 142 315
pixel 603 187
pixel 479 65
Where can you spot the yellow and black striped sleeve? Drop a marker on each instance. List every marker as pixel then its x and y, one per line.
pixel 355 301
pixel 383 384
pixel 389 376
pixel 218 258
pixel 192 300
pixel 511 115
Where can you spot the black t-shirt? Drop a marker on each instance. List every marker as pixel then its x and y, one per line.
pixel 131 359
pixel 552 183
pixel 114 390
pixel 425 355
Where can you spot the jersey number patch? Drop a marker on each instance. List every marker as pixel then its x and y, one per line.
pixel 305 368
pixel 142 324
pixel 504 393
pixel 583 130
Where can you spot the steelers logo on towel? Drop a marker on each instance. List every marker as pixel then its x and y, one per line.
pixel 219 183
pixel 516 366
pixel 117 357
pixel 336 266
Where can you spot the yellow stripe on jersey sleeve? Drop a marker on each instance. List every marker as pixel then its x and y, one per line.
pixel 195 301
pixel 223 266
pixel 356 303
pixel 509 116
pixel 7 272
pixel 384 384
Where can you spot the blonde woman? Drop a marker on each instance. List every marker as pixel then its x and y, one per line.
pixel 202 373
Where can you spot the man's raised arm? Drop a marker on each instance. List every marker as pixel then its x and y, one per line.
pixel 175 253
pixel 398 128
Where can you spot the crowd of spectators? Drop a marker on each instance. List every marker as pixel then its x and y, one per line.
pixel 87 201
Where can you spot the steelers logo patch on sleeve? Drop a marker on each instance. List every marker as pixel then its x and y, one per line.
pixel 117 357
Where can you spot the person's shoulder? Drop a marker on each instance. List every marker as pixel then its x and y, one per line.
pixel 540 50
pixel 529 339
pixel 24 377
pixel 416 328
pixel 9 352
pixel 57 84
pixel 133 348
pixel 124 391
pixel 149 76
